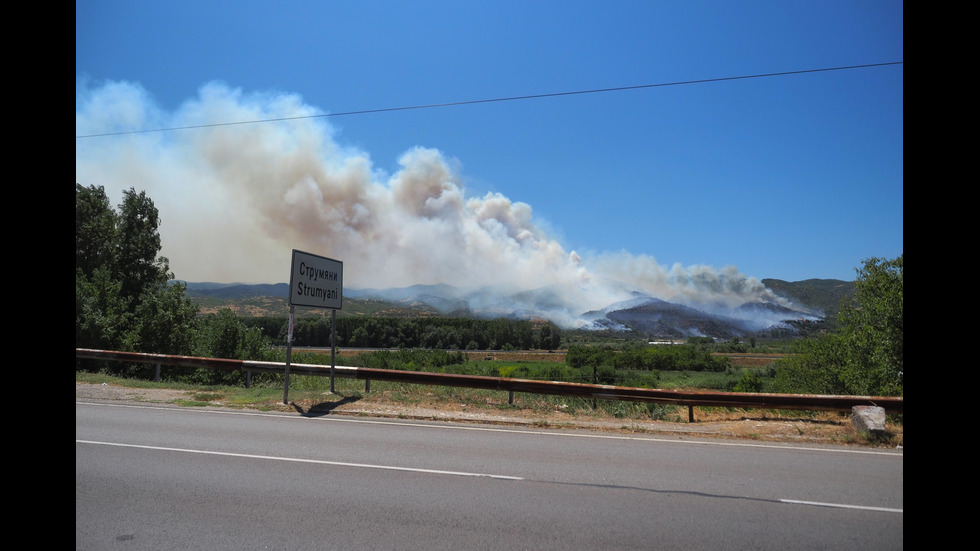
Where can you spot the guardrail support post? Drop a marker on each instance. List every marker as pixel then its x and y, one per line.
pixel 156 376
pixel 690 414
pixel 510 400
pixel 367 385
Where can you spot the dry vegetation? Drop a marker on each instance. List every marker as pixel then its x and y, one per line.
pixel 492 407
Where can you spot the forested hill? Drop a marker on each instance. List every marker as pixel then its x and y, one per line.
pixel 821 294
pixel 270 299
pixel 259 300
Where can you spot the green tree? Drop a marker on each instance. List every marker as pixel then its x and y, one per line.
pixel 122 296
pixel 101 316
pixel 137 245
pixel 549 337
pixel 95 230
pixel 225 335
pixel 164 321
pixel 865 355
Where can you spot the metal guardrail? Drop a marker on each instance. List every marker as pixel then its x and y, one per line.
pixel 690 399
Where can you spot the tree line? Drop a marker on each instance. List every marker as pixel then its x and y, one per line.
pixel 429 332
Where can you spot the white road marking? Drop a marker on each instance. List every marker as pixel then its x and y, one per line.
pixel 843 506
pixel 428 471
pixel 299 460
pixel 557 431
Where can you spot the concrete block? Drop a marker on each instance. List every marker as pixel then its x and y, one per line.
pixel 868 418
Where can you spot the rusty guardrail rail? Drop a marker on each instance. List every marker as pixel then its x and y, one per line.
pixel 817 402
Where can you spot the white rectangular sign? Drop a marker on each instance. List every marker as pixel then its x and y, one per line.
pixel 316 281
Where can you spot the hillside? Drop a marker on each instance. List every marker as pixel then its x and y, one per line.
pixel 817 304
pixel 820 294
pixel 270 300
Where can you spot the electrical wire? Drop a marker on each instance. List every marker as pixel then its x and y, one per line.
pixel 501 99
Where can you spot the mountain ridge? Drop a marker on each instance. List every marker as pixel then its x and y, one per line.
pixel 813 300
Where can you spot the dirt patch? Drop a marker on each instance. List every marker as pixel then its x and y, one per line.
pixel 113 393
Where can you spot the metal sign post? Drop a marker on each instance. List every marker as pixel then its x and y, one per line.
pixel 289 356
pixel 318 282
pixel 333 346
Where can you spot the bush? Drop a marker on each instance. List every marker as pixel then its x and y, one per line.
pixel 865 356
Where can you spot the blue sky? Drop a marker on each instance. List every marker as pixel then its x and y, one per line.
pixel 790 177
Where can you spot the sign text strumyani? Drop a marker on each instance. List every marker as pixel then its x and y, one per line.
pixel 316 281
pixel 316 274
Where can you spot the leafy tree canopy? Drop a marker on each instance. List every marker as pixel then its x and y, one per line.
pixel 865 356
pixel 122 296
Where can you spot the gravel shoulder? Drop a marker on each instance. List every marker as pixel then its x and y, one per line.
pixel 746 427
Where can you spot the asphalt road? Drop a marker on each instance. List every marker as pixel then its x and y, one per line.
pixel 178 478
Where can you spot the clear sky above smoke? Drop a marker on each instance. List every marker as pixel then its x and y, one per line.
pixel 792 177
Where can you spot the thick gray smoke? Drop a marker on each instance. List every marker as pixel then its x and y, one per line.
pixel 235 200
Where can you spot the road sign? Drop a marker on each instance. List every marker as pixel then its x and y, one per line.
pixel 316 281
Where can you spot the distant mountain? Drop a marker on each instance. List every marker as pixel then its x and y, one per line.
pixel 661 319
pixel 444 298
pixel 236 291
pixel 271 300
pixel 645 315
pixel 820 294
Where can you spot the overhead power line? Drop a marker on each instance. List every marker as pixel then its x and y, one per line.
pixel 501 99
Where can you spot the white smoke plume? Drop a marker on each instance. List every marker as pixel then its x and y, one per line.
pixel 235 200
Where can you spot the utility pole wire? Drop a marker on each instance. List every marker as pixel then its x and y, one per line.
pixel 494 100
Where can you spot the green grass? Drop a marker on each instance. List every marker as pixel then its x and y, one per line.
pixel 268 390
pixel 312 394
pixel 705 380
pixel 99 378
pixel 312 390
